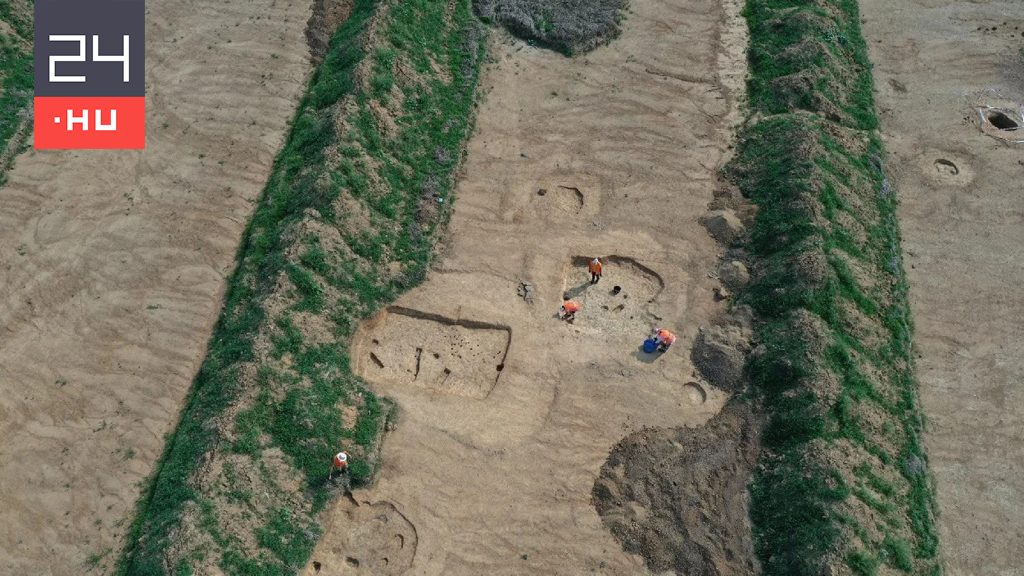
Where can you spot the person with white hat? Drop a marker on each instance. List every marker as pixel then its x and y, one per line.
pixel 339 464
pixel 595 267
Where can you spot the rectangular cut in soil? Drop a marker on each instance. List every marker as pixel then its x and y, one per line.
pixel 408 347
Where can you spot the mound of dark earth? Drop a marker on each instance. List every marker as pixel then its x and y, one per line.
pixel 569 26
pixel 678 497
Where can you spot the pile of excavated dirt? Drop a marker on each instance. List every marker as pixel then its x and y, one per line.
pixel 720 351
pixel 327 16
pixel 678 496
pixel 570 26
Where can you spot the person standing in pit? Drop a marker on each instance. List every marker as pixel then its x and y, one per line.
pixel 569 310
pixel 595 267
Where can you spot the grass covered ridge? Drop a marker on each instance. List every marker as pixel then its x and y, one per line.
pixel 842 485
pixel 16 81
pixel 347 223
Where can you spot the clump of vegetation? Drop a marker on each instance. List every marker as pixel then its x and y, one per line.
pixel 842 485
pixel 347 222
pixel 569 26
pixel 16 79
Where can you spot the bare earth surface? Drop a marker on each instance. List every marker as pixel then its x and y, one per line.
pixel 963 226
pixel 492 464
pixel 112 266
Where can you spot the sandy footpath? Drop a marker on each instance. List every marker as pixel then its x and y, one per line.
pixel 506 414
pixel 112 266
pixel 963 227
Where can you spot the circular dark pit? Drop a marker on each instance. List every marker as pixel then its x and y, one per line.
pixel 1002 121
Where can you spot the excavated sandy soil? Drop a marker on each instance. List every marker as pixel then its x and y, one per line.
pixel 962 215
pixel 112 266
pixel 493 471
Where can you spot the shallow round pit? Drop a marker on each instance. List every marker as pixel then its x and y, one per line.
pixel 946 167
pixel 695 393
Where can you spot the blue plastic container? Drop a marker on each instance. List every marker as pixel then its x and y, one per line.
pixel 650 345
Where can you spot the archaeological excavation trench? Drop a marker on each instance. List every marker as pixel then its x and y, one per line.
pixel 440 191
pixel 401 346
pixel 506 414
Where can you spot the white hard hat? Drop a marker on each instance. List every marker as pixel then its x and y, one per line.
pixel 342 456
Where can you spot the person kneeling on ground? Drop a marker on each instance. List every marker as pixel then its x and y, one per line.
pixel 569 310
pixel 595 268
pixel 339 464
pixel 664 338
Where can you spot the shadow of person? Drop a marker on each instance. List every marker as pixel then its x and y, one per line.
pixel 646 357
pixel 576 290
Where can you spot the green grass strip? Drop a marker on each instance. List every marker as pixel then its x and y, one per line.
pixel 395 174
pixel 16 75
pixel 843 482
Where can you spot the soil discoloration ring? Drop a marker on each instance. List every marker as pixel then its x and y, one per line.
pixel 370 538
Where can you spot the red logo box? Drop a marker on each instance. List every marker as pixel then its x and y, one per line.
pixel 90 123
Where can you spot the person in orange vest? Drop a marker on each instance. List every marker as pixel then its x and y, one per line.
pixel 339 464
pixel 569 310
pixel 595 268
pixel 664 338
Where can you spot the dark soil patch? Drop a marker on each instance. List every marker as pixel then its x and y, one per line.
pixel 568 26
pixel 1002 121
pixel 678 497
pixel 327 16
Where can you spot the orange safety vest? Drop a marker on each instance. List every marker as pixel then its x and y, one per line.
pixel 570 306
pixel 595 266
pixel 666 336
pixel 341 460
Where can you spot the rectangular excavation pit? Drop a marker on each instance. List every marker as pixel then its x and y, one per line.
pixel 406 347
pixel 620 302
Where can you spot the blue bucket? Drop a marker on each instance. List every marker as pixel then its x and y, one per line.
pixel 650 345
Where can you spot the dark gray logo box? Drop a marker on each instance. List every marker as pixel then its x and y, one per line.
pixel 110 20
